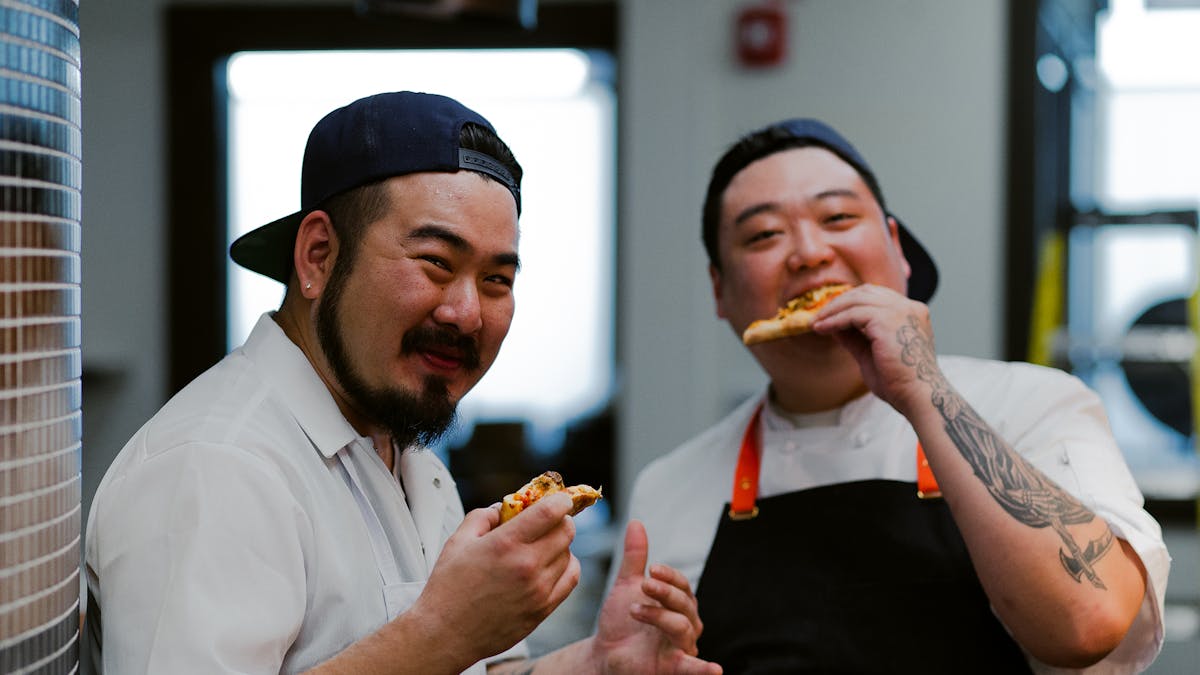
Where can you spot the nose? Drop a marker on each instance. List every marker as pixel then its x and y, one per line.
pixel 809 247
pixel 460 308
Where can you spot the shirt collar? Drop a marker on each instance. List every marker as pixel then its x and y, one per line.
pixel 854 412
pixel 289 372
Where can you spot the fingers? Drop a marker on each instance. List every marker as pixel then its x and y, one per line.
pixel 861 304
pixel 691 665
pixel 676 614
pixel 670 588
pixel 675 627
pixel 855 343
pixel 837 313
pixel 672 576
pixel 566 583
pixel 637 550
pixel 542 517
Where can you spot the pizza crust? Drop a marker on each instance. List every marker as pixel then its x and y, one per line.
pixel 794 318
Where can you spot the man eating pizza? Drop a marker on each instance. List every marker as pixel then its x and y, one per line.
pixel 880 508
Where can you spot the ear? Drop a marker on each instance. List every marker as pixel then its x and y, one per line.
pixel 714 276
pixel 894 235
pixel 314 253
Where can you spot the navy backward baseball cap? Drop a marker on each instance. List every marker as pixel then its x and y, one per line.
pixel 368 140
pixel 923 280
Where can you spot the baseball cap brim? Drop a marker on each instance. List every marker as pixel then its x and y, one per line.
pixel 268 249
pixel 923 280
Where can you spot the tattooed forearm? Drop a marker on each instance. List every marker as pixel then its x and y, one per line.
pixel 1019 488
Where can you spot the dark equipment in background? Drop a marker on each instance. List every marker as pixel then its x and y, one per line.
pixel 521 12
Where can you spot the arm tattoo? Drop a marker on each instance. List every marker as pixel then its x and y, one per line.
pixel 1020 489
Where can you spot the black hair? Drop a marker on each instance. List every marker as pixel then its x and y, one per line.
pixel 741 154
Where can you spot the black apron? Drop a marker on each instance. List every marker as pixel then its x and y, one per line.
pixel 858 577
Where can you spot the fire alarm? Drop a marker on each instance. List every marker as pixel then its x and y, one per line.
pixel 761 34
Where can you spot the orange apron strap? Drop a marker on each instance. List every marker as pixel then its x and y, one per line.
pixel 927 486
pixel 745 476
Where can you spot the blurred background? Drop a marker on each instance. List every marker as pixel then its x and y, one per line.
pixel 1045 152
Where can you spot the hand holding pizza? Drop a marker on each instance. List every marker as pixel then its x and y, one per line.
pixel 891 338
pixel 649 624
pixel 491 585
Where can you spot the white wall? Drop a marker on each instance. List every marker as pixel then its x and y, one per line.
pixel 918 85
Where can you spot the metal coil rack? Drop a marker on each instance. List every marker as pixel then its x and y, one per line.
pixel 40 369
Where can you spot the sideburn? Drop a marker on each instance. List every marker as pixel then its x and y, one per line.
pixel 410 417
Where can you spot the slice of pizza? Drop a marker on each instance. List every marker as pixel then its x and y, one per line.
pixel 794 318
pixel 582 496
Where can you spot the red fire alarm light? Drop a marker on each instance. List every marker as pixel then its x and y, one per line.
pixel 761 34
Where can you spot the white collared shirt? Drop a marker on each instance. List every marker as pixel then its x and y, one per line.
pixel 248 528
pixel 1049 417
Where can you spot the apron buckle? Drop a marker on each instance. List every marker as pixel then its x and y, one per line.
pixel 743 515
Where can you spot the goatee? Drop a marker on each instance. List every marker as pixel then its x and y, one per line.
pixel 421 417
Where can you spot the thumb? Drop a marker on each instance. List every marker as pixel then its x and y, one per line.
pixel 692 665
pixel 633 561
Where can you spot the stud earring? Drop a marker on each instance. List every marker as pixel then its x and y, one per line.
pixel 308 286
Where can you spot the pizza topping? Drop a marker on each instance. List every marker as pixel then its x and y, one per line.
pixel 816 298
pixel 582 496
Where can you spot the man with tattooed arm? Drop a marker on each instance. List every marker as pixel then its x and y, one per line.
pixel 880 508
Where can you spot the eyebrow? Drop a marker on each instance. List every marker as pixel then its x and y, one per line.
pixel 749 213
pixel 460 245
pixel 837 192
pixel 766 207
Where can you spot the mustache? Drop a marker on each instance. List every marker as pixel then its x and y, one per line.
pixel 426 337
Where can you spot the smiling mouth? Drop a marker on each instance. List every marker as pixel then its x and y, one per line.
pixel 443 350
pixel 442 359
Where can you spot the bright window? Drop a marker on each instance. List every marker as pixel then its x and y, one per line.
pixel 1150 101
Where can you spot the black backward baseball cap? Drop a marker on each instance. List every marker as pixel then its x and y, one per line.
pixel 373 138
pixel 923 280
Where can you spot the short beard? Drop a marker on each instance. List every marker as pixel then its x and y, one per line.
pixel 421 417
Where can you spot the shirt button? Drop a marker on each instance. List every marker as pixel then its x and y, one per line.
pixel 861 439
pixel 437 482
pixel 790 446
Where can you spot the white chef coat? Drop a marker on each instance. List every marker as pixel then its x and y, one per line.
pixel 1048 416
pixel 248 528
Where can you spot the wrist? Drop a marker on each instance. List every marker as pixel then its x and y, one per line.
pixel 914 404
pixel 595 657
pixel 442 649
